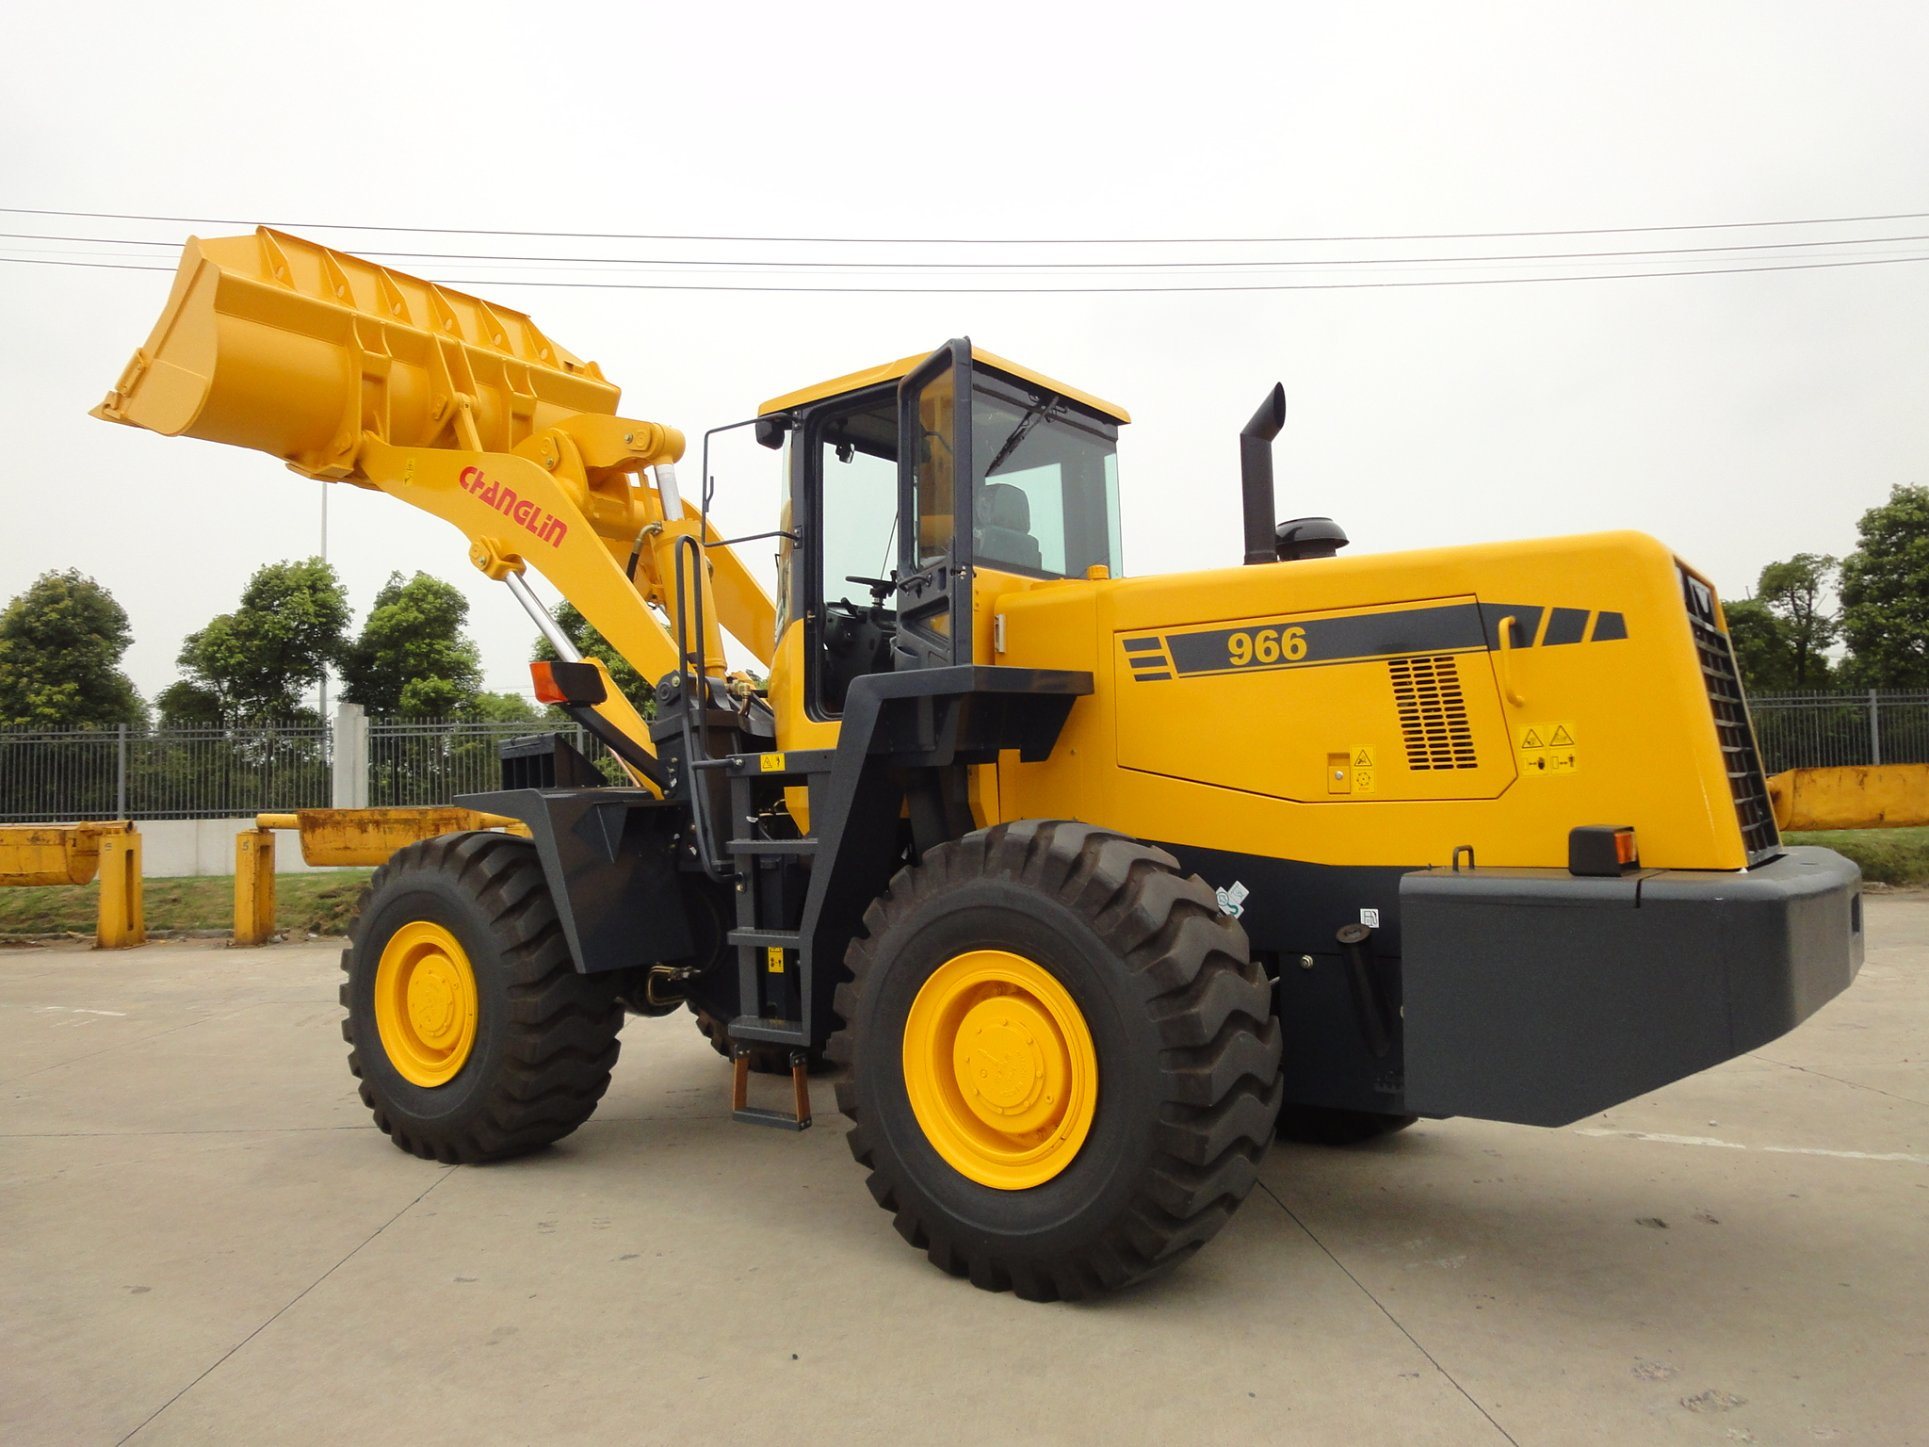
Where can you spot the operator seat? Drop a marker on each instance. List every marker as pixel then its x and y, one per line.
pixel 1003 532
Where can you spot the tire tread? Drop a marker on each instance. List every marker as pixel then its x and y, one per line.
pixel 561 1026
pixel 1210 1004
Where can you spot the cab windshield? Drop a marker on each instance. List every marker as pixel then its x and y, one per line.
pixel 1046 500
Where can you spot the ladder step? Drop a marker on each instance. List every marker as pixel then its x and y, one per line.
pixel 756 1029
pixel 772 846
pixel 797 1118
pixel 765 938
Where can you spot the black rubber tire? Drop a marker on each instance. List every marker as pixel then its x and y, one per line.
pixel 1320 1125
pixel 545 1035
pixel 764 1060
pixel 1181 1022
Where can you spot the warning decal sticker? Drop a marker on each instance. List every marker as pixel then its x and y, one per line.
pixel 1548 748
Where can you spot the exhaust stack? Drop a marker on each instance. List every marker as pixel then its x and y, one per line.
pixel 1256 476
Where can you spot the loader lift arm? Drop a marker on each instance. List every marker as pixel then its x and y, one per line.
pixel 351 372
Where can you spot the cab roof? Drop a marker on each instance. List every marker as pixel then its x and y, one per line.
pixel 892 371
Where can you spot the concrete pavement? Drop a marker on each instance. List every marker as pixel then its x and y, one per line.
pixel 202 1238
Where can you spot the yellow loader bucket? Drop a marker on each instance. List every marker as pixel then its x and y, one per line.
pixel 274 343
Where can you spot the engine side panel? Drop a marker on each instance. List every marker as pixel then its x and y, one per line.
pixel 1589 708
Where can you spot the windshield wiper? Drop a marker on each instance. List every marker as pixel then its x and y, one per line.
pixel 1018 434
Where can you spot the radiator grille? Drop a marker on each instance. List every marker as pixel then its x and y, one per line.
pixel 1433 714
pixel 1740 758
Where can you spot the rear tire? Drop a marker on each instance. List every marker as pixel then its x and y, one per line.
pixel 1168 1029
pixel 540 1039
pixel 1320 1125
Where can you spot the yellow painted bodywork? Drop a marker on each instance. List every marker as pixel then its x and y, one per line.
pixel 903 366
pixel 1000 1069
pixel 353 373
pixel 1879 796
pixel 1306 759
pixel 1241 760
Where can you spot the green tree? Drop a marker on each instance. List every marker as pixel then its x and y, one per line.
pixel 188 705
pixel 501 708
pixel 1781 636
pixel 1760 641
pixel 258 661
pixel 61 643
pixel 412 659
pixel 1885 593
pixel 1795 591
pixel 638 689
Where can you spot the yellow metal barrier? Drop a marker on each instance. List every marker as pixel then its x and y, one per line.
pixel 49 853
pixel 1880 796
pixel 331 838
pixel 254 886
pixel 75 854
pixel 122 922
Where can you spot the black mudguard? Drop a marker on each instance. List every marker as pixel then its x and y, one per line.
pixel 609 857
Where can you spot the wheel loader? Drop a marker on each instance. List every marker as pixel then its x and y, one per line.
pixel 1085 883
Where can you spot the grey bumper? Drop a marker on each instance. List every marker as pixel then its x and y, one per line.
pixel 1534 996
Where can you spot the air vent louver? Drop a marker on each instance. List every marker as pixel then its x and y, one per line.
pixel 1433 713
pixel 1739 755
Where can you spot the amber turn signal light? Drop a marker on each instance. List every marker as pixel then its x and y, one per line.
pixel 1602 849
pixel 568 683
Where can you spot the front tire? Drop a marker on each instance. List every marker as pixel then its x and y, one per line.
pixel 1063 1065
pixel 472 1034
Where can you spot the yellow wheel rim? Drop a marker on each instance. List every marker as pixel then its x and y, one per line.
pixel 425 1003
pixel 1000 1069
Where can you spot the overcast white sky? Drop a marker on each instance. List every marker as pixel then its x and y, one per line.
pixel 1740 418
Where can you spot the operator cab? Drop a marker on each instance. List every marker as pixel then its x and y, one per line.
pixel 873 596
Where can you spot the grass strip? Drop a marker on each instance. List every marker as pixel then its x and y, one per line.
pixel 320 903
pixel 1887 856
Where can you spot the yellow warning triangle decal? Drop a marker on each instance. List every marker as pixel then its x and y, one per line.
pixel 1561 737
pixel 1364 761
pixel 1532 740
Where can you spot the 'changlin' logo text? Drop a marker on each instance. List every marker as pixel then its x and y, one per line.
pixel 545 525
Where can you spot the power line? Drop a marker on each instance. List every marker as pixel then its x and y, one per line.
pixel 1250 265
pixel 1073 290
pixel 972 240
pixel 86 265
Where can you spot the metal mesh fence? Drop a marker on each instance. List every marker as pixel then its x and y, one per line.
pixel 430 761
pixel 210 773
pixel 214 773
pixel 47 777
pixel 1820 730
pixel 190 773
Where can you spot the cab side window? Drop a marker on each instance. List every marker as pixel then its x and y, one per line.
pixel 855 486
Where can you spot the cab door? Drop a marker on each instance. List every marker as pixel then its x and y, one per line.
pixel 934 499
